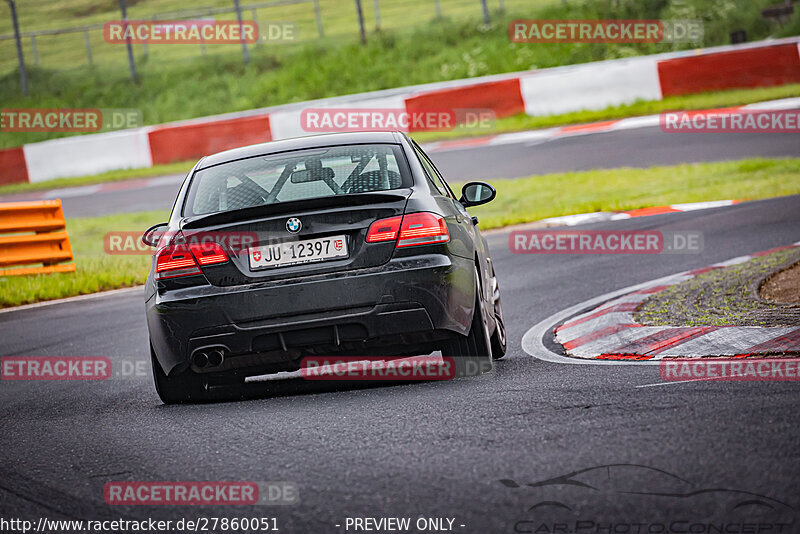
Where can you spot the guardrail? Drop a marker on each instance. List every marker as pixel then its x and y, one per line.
pixel 585 86
pixel 33 233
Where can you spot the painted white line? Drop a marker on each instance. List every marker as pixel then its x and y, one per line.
pixel 73 299
pixel 68 192
pixel 678 382
pixel 632 123
pixel 580 218
pixel 159 181
pixel 703 379
pixel 702 205
pixel 784 103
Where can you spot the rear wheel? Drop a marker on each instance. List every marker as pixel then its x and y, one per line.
pixel 476 344
pixel 499 340
pixel 185 387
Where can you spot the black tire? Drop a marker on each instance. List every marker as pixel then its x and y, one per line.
pixel 185 387
pixel 476 344
pixel 499 339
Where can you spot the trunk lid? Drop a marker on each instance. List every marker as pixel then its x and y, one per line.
pixel 326 220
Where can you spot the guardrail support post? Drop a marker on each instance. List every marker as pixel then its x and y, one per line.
pixel 318 16
pixel 245 52
pixel 254 13
pixel 130 47
pixel 35 50
pixel 88 46
pixel 361 22
pixel 23 74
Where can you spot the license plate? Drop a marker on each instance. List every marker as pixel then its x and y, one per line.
pixel 295 252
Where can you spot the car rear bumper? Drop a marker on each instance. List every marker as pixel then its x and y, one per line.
pixel 405 304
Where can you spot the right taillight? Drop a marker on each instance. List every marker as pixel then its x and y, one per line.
pixel 410 230
pixel 174 261
pixel 422 229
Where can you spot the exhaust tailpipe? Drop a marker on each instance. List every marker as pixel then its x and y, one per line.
pixel 200 359
pixel 215 357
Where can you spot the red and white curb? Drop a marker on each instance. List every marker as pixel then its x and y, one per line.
pixel 632 123
pixel 602 216
pixel 608 334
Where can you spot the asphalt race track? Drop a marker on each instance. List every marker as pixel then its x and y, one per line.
pixel 643 147
pixel 434 449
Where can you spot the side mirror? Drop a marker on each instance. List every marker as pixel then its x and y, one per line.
pixel 153 235
pixel 476 193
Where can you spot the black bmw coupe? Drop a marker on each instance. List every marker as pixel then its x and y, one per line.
pixel 339 244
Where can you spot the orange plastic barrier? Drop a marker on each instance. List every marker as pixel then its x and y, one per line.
pixel 32 233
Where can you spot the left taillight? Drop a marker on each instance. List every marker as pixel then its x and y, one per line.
pixel 182 259
pixel 174 261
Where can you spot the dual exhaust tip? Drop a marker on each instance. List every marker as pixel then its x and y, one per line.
pixel 212 357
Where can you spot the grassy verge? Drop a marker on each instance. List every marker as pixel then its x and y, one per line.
pixel 537 197
pixel 518 201
pixel 182 167
pixel 519 122
pixel 96 270
pixel 723 297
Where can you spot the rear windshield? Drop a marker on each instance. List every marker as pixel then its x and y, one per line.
pixel 298 175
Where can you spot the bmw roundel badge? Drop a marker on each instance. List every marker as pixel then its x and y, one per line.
pixel 294 225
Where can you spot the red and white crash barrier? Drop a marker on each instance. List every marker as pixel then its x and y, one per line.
pixel 589 86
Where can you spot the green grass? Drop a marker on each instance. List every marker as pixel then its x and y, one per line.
pixel 418 50
pixel 518 201
pixel 722 297
pixel 96 270
pixel 339 21
pixel 509 124
pixel 537 197
pixel 111 176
